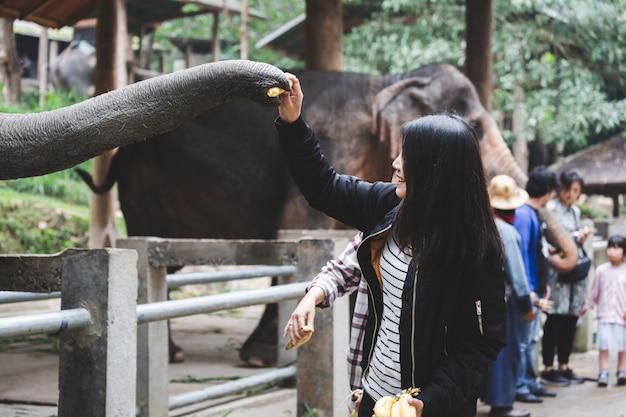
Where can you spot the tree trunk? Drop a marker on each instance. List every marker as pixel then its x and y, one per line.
pixel 110 74
pixel 10 69
pixel 245 20
pixel 216 37
pixel 478 58
pixel 42 66
pixel 324 35
pixel 520 147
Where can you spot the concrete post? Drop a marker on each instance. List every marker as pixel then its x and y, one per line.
pixel 97 364
pixel 319 362
pixel 152 346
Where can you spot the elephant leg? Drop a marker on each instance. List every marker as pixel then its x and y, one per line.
pixel 175 352
pixel 260 349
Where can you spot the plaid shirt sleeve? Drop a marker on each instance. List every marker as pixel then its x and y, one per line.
pixel 339 277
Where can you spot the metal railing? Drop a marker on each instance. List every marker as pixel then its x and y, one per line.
pixel 173 281
pixel 95 285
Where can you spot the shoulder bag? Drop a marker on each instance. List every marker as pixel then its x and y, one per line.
pixel 583 265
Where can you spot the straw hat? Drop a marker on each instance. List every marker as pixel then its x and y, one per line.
pixel 504 194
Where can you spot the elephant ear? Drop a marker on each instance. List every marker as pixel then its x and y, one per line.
pixel 395 105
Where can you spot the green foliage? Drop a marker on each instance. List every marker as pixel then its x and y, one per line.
pixel 54 100
pixel 65 185
pixel 401 37
pixel 591 212
pixel 32 226
pixel 201 27
pixel 567 56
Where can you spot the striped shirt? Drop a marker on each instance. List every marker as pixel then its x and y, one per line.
pixel 383 374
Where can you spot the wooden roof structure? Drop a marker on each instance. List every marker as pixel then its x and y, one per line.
pixel 289 37
pixel 56 14
pixel 602 166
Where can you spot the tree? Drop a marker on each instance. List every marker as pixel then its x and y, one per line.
pixel 110 74
pixel 324 35
pixel 563 58
pixel 9 68
pixel 478 57
pixel 566 57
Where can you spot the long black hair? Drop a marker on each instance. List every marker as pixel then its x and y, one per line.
pixel 446 220
pixel 569 178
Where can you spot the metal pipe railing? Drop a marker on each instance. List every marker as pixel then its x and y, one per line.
pixel 231 387
pixel 7 297
pixel 164 310
pixel 205 277
pixel 173 280
pixel 43 323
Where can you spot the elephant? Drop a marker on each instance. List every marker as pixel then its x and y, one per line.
pixel 74 68
pixel 222 175
pixel 41 143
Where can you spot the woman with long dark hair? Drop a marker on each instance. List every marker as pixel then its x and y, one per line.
pixel 431 256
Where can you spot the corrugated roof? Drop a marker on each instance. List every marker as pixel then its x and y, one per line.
pixel 602 166
pixel 59 13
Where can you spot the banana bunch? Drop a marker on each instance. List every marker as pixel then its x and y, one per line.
pixel 308 332
pixel 397 406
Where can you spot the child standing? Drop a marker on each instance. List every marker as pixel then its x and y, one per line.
pixel 608 293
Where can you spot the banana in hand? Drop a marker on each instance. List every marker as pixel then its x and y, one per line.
pixel 308 332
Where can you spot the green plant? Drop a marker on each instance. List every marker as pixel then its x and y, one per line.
pixel 592 212
pixel 27 227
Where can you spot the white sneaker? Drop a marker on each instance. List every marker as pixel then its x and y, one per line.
pixel 621 377
pixel 603 378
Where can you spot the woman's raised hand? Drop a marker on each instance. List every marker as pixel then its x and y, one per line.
pixel 290 105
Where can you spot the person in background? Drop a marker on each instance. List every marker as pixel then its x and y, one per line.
pixel 568 297
pixel 542 182
pixel 608 295
pixel 25 65
pixel 500 385
pixel 430 245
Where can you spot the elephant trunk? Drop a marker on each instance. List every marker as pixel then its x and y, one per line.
pixel 40 143
pixel 558 237
pixel 497 159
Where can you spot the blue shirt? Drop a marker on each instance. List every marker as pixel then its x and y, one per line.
pixel 514 265
pixel 527 225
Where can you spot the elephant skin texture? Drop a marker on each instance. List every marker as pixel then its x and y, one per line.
pixel 41 143
pixel 222 175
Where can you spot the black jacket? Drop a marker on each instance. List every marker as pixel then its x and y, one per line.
pixel 451 328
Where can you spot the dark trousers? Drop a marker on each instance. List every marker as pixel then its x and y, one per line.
pixel 366 409
pixel 500 385
pixel 558 335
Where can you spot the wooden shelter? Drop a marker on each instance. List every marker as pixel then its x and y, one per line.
pixel 603 168
pixel 58 13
